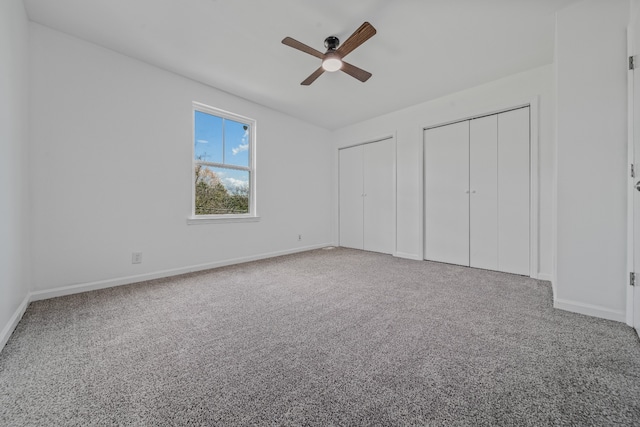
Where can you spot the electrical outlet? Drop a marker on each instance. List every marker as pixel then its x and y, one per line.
pixel 136 258
pixel 299 237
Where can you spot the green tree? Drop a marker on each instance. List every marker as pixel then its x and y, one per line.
pixel 212 198
pixel 238 199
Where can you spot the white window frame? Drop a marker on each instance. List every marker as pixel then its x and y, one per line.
pixel 248 217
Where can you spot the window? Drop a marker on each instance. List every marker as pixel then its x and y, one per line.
pixel 223 165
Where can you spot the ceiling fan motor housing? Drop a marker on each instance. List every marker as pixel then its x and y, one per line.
pixel 331 43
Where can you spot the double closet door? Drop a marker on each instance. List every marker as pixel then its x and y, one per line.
pixel 477 192
pixel 367 182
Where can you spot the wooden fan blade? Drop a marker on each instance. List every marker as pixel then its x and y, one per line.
pixel 302 47
pixel 361 35
pixel 312 78
pixel 356 72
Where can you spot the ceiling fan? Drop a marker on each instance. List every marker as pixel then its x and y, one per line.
pixel 332 58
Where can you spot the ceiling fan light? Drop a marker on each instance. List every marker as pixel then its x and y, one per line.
pixel 331 63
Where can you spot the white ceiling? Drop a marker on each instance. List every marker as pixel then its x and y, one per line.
pixel 424 49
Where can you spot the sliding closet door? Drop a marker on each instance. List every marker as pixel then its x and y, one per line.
pixel 351 197
pixel 513 191
pixel 379 182
pixel 483 210
pixel 446 193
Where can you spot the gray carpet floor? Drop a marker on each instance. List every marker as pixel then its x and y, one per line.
pixel 326 337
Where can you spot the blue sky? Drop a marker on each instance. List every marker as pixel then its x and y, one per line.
pixel 234 150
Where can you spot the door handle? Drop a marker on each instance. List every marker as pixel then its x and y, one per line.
pixel 638 185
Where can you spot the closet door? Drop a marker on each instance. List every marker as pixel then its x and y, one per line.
pixel 483 183
pixel 379 182
pixel 513 191
pixel 446 193
pixel 351 197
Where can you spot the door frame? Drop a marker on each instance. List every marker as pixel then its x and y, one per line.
pixel 534 198
pixel 630 180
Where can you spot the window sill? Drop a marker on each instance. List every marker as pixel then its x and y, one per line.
pixel 218 219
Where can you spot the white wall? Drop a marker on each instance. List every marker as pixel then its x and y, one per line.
pixel 111 166
pixel 14 212
pixel 592 157
pixel 407 124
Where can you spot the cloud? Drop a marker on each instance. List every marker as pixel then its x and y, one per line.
pixel 245 144
pixel 240 148
pixel 202 141
pixel 233 182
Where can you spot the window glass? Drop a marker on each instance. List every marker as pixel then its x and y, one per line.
pixel 236 147
pixel 221 191
pixel 208 138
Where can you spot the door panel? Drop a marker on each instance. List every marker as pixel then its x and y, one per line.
pixel 379 182
pixel 483 170
pixel 351 199
pixel 513 191
pixel 446 197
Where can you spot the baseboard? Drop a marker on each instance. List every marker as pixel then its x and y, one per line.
pixel 590 310
pixel 13 322
pixel 408 256
pixel 109 283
